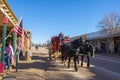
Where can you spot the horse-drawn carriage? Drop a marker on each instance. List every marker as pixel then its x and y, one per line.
pixel 61 46
pixel 55 46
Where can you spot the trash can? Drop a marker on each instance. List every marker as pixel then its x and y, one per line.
pixel 28 55
pixel 1 67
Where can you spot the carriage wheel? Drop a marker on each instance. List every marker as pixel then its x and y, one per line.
pixel 50 54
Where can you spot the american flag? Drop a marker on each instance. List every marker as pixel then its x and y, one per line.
pixel 20 32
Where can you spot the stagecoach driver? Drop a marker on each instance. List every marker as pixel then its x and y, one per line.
pixel 81 40
pixel 61 37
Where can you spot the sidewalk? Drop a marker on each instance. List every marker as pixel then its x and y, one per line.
pixel 1 75
pixel 32 70
pixel 28 70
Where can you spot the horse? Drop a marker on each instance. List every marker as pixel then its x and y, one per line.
pixel 86 49
pixel 64 52
pixel 75 49
pixel 69 50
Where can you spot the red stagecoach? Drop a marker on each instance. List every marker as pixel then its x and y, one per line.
pixel 55 43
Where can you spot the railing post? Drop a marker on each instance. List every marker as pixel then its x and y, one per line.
pixel 5 21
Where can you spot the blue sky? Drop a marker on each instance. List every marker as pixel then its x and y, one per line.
pixel 47 18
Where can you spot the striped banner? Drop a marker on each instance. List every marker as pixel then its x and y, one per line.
pixel 20 32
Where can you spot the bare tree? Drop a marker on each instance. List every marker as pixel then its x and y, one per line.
pixel 110 25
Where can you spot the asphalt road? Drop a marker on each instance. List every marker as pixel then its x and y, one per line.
pixel 106 67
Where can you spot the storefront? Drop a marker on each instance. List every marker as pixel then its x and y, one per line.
pixel 117 44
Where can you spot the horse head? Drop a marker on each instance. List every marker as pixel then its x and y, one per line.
pixel 86 48
pixel 89 48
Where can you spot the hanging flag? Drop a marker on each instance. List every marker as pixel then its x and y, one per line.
pixel 22 41
pixel 20 32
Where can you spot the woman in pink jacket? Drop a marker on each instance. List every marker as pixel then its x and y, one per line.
pixel 8 54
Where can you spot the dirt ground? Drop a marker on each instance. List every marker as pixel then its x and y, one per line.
pixel 41 68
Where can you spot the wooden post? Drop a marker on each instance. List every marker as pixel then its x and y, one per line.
pixel 5 21
pixel 14 42
pixel 14 49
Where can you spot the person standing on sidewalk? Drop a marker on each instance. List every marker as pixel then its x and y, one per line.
pixel 8 54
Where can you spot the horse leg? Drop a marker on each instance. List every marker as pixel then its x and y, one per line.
pixel 88 63
pixel 69 62
pixel 65 59
pixel 62 58
pixel 82 60
pixel 75 65
pixel 78 59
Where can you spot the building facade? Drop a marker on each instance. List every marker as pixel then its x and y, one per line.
pixel 8 21
pixel 103 41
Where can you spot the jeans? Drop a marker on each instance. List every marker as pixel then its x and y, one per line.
pixel 7 61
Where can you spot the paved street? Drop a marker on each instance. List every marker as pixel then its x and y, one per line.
pixel 41 68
